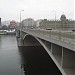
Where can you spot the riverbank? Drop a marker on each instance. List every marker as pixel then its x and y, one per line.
pixel 6 32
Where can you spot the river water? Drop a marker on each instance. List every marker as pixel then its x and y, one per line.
pixel 24 60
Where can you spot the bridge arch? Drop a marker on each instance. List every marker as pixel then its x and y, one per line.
pixel 30 41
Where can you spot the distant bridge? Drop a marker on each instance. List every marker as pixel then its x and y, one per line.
pixel 60 45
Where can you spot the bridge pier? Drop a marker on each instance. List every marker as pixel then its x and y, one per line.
pixel 20 42
pixel 17 33
pixel 18 37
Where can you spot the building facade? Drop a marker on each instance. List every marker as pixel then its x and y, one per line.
pixel 28 23
pixel 38 23
pixel 12 25
pixel 62 24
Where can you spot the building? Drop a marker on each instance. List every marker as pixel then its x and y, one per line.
pixel 28 23
pixel 62 24
pixel 38 23
pixel 12 24
pixel 6 23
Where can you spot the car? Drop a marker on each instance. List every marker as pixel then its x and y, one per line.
pixel 48 28
pixel 73 30
pixel 31 27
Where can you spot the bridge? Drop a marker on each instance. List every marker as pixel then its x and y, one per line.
pixel 60 46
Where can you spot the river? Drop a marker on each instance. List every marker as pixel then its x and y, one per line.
pixel 24 60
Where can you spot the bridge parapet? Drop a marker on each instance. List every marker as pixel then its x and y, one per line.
pixel 65 36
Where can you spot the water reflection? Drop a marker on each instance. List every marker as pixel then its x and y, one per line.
pixel 9 56
pixel 35 61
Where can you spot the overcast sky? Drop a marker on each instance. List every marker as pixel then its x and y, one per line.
pixel 37 9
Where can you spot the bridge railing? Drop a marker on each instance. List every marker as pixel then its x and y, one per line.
pixel 68 37
pixel 65 36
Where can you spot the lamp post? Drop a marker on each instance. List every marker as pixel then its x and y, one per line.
pixel 55 18
pixel 20 18
pixel 20 22
pixel 20 15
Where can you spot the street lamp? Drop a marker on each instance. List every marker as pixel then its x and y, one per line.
pixel 20 15
pixel 20 18
pixel 20 22
pixel 55 18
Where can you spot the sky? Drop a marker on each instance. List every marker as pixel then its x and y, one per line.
pixel 36 9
